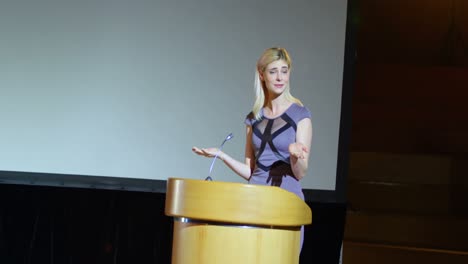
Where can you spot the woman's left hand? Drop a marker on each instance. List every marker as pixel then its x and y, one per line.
pixel 298 150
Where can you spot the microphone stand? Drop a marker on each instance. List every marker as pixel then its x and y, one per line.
pixel 216 156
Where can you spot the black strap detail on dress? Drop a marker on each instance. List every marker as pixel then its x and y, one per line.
pixel 290 121
pixel 267 138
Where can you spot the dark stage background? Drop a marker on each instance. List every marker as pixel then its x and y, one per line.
pixel 43 224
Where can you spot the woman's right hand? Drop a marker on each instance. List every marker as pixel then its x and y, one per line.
pixel 206 152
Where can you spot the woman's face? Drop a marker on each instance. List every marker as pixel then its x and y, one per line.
pixel 276 77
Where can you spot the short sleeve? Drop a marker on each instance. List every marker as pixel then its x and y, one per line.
pixel 249 119
pixel 301 112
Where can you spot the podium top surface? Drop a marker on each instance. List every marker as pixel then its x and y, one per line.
pixel 235 203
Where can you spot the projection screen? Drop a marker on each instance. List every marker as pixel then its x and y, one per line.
pixel 123 89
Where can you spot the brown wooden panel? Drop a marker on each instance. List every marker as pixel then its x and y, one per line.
pixel 381 138
pixel 409 82
pixel 410 31
pixel 405 108
pixel 444 232
pixel 428 114
pixel 401 168
pixel 364 253
pixel 388 197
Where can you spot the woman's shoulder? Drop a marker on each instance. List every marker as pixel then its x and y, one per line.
pixel 299 112
pixel 250 119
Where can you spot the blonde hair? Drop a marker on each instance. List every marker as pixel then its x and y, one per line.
pixel 268 56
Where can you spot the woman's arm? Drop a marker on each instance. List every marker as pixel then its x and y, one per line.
pixel 242 169
pixel 299 151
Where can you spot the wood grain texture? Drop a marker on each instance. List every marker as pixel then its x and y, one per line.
pixel 235 203
pixel 212 244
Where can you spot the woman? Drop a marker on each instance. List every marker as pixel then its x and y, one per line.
pixel 279 130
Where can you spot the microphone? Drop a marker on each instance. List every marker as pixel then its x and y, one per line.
pixel 216 156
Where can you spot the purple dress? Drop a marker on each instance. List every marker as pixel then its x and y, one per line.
pixel 271 139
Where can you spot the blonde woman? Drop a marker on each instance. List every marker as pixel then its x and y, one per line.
pixel 279 129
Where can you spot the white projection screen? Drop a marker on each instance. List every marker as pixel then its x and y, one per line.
pixel 122 89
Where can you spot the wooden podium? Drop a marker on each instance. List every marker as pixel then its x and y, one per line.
pixel 222 222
